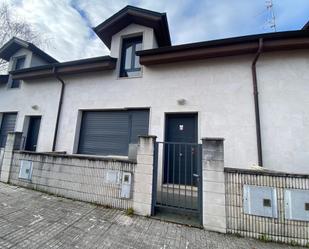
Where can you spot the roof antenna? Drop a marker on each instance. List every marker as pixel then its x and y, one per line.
pixel 271 20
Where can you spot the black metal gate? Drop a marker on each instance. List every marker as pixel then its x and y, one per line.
pixel 177 180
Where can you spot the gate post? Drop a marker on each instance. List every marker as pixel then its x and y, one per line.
pixel 12 142
pixel 143 176
pixel 214 214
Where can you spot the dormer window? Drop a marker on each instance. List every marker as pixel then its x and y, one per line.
pixel 130 66
pixel 19 63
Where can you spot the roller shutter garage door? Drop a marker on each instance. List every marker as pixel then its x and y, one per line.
pixel 7 125
pixel 110 132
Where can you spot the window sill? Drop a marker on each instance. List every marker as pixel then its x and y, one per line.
pixel 132 77
pixel 14 88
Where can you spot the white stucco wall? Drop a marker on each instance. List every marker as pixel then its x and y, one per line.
pixel 44 94
pixel 37 61
pixel 284 106
pixel 220 90
pixel 32 60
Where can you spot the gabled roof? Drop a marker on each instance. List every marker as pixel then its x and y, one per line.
pixel 129 15
pixel 279 41
pixel 306 27
pixel 13 45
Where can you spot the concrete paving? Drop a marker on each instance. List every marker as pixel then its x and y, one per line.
pixel 30 219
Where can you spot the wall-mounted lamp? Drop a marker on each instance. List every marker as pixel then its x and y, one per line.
pixel 181 101
pixel 35 107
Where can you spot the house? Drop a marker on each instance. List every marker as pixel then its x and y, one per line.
pixel 16 113
pixel 250 90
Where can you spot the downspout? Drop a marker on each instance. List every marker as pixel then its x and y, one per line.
pixel 59 107
pixel 256 102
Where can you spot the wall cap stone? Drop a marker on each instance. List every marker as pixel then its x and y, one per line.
pixel 147 136
pixel 213 138
pixel 76 156
pixel 265 172
pixel 15 132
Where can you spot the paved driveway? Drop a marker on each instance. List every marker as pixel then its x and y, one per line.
pixel 30 219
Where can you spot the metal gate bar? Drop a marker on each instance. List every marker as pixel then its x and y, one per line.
pixel 177 178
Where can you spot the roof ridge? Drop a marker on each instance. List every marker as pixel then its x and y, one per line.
pixel 26 44
pixel 132 14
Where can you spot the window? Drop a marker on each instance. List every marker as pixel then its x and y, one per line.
pixel 18 64
pixel 130 66
pixel 7 125
pixel 111 132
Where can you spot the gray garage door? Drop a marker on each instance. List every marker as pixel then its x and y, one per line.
pixel 7 125
pixel 110 132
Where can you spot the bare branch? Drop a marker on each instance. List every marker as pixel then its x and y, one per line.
pixel 12 26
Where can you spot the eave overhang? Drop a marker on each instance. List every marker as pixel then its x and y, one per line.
pixel 66 68
pixel 226 47
pixel 129 15
pixel 15 44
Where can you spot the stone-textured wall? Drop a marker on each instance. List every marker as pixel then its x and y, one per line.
pixel 143 178
pixel 214 216
pixel 12 142
pixel 94 179
pixel 76 177
pixel 276 229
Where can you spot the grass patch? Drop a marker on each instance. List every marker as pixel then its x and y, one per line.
pixel 294 243
pixel 264 238
pixel 130 212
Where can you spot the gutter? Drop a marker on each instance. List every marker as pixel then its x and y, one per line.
pixel 280 41
pixel 256 103
pixel 96 64
pixel 59 106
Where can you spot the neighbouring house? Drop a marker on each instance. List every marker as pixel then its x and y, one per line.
pixel 17 110
pixel 105 112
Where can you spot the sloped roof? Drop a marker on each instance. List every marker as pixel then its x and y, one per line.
pixel 13 45
pixel 95 64
pixel 306 27
pixel 129 15
pixel 286 40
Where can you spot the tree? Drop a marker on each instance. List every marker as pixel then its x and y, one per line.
pixel 10 26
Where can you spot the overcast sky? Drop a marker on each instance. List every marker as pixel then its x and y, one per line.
pixel 68 23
